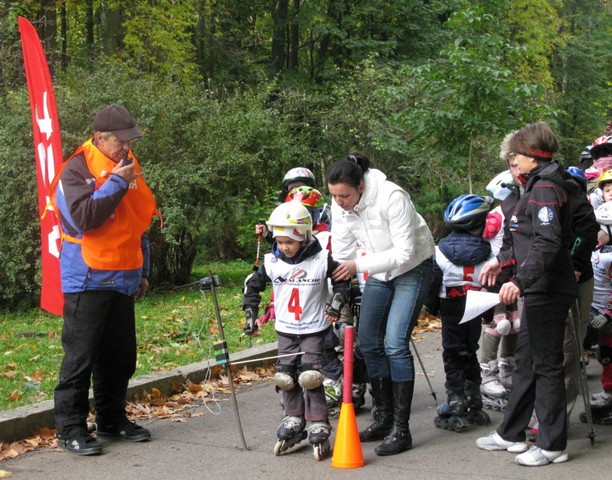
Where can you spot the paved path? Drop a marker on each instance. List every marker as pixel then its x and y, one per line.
pixel 208 446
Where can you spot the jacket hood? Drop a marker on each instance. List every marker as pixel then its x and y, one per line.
pixel 373 179
pixel 465 249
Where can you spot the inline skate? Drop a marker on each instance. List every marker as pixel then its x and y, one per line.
pixel 318 436
pixel 506 366
pixel 473 404
pixel 497 404
pixel 601 409
pixel 290 432
pixel 451 414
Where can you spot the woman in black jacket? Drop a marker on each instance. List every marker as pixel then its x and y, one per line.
pixel 538 236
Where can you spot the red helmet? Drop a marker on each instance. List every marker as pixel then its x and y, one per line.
pixel 307 196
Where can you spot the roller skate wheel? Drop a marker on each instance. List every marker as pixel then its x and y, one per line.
pixel 453 423
pixel 321 450
pixel 478 417
pixel 278 448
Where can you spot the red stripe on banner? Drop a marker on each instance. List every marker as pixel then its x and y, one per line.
pixel 48 151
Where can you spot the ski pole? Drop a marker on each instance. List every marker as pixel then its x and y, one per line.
pixel 574 317
pixel 416 352
pixel 259 237
pixel 222 355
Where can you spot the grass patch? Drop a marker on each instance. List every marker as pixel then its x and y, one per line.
pixel 174 327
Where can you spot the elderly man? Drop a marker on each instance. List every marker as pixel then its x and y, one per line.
pixel 105 208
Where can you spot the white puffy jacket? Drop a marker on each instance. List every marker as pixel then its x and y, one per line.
pixel 386 225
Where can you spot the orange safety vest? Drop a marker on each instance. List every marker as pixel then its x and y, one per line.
pixel 116 244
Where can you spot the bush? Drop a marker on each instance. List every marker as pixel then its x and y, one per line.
pixel 19 229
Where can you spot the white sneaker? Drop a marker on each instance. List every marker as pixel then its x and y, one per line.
pixel 494 442
pixel 537 457
pixel 600 400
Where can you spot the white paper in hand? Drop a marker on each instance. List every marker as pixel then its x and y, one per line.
pixel 477 302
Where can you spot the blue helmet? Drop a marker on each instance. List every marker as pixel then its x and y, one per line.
pixel 578 175
pixel 468 212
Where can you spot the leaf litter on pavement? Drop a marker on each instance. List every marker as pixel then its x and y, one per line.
pixel 182 397
pixel 175 406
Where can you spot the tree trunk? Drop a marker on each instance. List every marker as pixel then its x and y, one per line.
pixel 64 34
pixel 111 30
pixel 205 41
pixel 294 36
pixel 89 28
pixel 281 11
pixel 325 43
pixel 48 30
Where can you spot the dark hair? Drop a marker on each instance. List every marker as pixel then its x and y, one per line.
pixel 535 140
pixel 350 170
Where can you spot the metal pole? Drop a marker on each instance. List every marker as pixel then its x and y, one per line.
pixel 226 363
pixel 416 352
pixel 574 319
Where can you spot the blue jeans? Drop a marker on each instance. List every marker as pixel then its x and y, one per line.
pixel 389 312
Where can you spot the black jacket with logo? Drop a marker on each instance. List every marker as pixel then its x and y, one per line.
pixel 545 221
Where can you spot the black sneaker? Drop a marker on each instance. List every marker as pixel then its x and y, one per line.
pixel 127 431
pixel 80 443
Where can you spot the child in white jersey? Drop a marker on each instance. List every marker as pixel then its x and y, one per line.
pixel 298 269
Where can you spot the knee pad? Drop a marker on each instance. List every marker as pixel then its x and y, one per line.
pixel 310 379
pixel 284 378
pixel 465 357
pixel 604 354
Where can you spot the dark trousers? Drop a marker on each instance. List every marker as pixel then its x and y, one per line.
pixel 538 377
pixel 460 344
pixel 99 341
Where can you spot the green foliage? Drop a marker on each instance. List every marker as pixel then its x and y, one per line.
pixel 19 229
pixel 454 105
pixel 208 156
pixel 161 42
pixel 582 69
pixel 426 89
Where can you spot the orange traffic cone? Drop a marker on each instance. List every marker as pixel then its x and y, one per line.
pixel 347 446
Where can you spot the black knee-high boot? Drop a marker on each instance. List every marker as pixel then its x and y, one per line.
pixel 399 439
pixel 383 414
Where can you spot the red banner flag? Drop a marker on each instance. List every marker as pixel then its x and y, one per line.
pixel 48 151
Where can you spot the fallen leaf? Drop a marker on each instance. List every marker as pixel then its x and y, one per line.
pixel 194 387
pixel 15 395
pixel 37 376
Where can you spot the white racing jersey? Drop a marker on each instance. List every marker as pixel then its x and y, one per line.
pixel 457 279
pixel 300 293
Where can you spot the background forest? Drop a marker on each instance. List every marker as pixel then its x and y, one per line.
pixel 233 93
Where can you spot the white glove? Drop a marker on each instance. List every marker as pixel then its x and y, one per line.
pixel 599 321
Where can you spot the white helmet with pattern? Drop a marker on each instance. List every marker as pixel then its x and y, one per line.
pixel 291 219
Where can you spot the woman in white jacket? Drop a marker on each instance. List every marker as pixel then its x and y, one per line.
pixel 378 216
